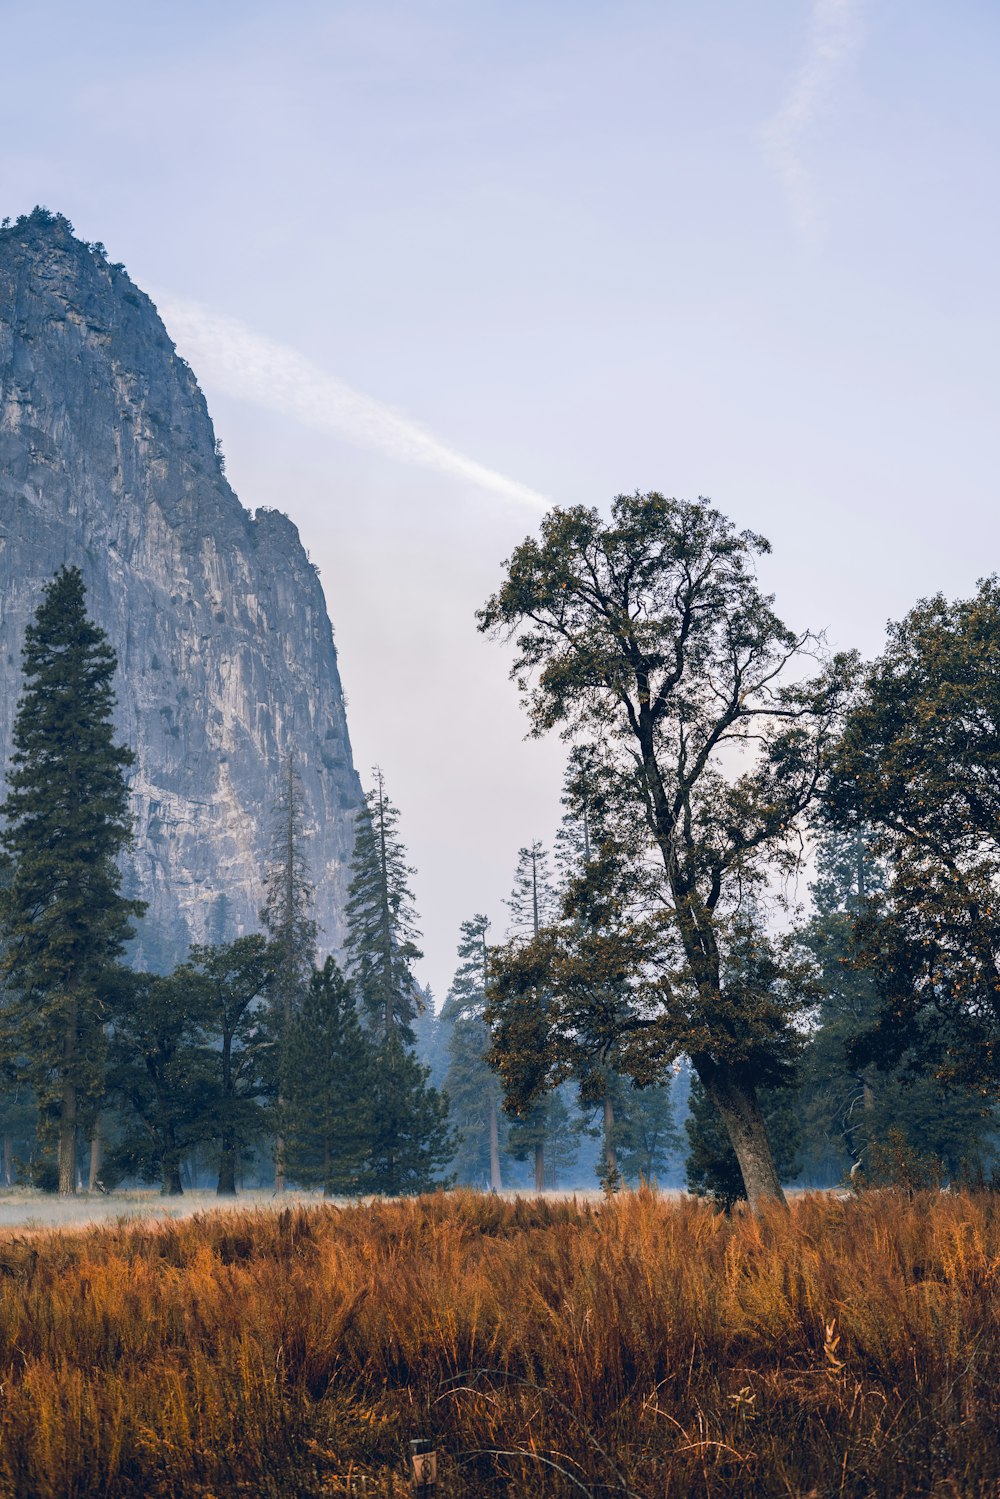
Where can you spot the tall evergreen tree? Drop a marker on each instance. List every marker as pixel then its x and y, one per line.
pixel 532 904
pixel 410 1141
pixel 327 1113
pixel 410 1138
pixel 63 919
pixel 381 920
pixel 646 1136
pixel 474 1093
pixel 288 918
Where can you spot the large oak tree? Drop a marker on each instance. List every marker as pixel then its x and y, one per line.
pixel 649 640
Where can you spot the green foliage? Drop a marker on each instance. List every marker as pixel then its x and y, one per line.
pixel 647 641
pixel 234 979
pixel 410 1141
pixel 63 919
pixel 917 763
pixel 381 921
pixel 289 898
pixel 646 1137
pixel 163 1074
pixel 472 1088
pixel 327 1116
pixel 849 1107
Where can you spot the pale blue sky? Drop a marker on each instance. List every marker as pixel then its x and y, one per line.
pixel 744 250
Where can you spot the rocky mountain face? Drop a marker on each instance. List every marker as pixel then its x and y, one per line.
pixel 108 460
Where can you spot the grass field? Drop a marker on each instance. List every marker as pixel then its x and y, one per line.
pixel 641 1347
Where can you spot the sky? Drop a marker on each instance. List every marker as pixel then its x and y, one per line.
pixel 439 264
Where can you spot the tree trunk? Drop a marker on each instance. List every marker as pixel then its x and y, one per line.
pixel 227 1152
pixel 67 1114
pixel 279 1158
pixel 96 1153
pixel 740 1112
pixel 495 1181
pixel 172 1184
pixel 610 1154
pixel 540 1167
pixel 8 1161
pixel 67 1141
pixel 227 1166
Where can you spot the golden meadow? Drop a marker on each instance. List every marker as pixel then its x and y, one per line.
pixel 640 1347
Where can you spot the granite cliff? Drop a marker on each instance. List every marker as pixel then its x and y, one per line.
pixel 108 460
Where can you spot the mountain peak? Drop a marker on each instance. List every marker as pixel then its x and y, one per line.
pixel 108 459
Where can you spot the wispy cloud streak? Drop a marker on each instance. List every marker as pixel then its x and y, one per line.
pixel 834 36
pixel 258 369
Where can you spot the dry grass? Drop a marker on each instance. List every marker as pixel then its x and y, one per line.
pixel 640 1348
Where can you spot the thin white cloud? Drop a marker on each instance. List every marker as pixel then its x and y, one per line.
pixel 834 35
pixel 253 368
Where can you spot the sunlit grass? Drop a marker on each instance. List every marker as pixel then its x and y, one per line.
pixel 643 1347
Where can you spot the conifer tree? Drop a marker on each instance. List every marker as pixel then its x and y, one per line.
pixel 646 1135
pixel 410 1137
pixel 63 918
pixel 381 920
pixel 474 1093
pixel 327 1114
pixel 532 904
pixel 287 917
pixel 410 1141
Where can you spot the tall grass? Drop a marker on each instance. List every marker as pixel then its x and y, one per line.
pixel 639 1348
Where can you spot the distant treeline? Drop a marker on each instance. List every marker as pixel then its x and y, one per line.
pixel 657 992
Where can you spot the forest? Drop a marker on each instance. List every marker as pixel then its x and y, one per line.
pixel 761 953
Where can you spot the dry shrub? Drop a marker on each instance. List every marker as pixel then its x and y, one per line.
pixel 641 1347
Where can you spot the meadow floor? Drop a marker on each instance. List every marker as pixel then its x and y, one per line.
pixel 643 1347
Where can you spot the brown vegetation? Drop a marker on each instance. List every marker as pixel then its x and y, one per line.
pixel 642 1348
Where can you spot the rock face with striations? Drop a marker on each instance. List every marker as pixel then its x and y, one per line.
pixel 226 657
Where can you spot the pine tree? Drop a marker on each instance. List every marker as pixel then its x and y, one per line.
pixel 474 1093
pixel 533 903
pixel 326 1117
pixel 646 1135
pixel 63 919
pixel 381 921
pixel 287 917
pixel 410 1139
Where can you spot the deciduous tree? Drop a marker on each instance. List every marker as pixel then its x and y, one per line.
pixel 649 640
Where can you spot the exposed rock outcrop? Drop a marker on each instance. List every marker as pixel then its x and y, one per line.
pixel 108 459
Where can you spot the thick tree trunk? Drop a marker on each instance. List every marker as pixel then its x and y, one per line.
pixel 279 1158
pixel 67 1140
pixel 736 1101
pixel 227 1167
pixel 172 1184
pixel 495 1181
pixel 96 1153
pixel 540 1167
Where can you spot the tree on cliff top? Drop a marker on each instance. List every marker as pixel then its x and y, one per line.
pixel 63 919
pixel 648 639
